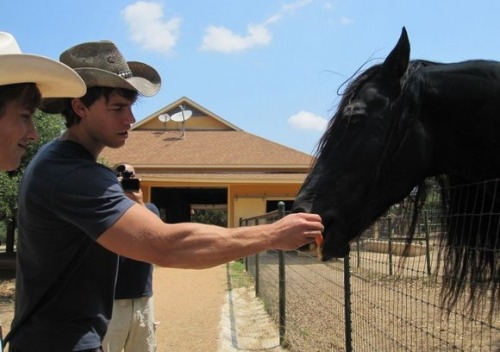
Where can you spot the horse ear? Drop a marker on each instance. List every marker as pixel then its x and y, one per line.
pixel 396 63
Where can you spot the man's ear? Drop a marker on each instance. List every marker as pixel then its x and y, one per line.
pixel 78 107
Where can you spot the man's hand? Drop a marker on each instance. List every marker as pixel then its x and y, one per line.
pixel 136 196
pixel 296 230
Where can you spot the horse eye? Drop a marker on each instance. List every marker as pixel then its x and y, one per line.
pixel 353 109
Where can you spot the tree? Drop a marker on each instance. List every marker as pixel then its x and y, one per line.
pixel 210 216
pixel 49 127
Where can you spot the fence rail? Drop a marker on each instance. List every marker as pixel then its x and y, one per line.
pixel 385 296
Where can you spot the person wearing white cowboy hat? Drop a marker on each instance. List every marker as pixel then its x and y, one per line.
pixel 74 217
pixel 23 78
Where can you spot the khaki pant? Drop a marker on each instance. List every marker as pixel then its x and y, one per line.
pixel 132 326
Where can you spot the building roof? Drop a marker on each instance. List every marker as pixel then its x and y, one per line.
pixel 205 143
pixel 212 149
pixel 224 177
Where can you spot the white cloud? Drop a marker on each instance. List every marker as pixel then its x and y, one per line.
pixel 305 120
pixel 148 27
pixel 345 21
pixel 328 6
pixel 295 5
pixel 221 39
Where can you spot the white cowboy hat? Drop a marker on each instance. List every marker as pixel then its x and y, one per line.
pixel 53 79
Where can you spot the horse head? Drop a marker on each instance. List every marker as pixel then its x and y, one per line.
pixel 370 157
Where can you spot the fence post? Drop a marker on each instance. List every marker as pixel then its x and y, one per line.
pixel 358 253
pixel 257 288
pixel 389 233
pixel 282 284
pixel 347 304
pixel 244 223
pixel 427 244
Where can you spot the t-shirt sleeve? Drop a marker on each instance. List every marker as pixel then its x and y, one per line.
pixel 91 199
pixel 152 207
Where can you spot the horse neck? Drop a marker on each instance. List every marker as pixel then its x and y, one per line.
pixel 461 111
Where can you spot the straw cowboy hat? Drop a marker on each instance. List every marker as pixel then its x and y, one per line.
pixel 100 64
pixel 52 78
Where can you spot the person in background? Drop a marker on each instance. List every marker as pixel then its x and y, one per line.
pixel 24 79
pixel 74 218
pixel 132 325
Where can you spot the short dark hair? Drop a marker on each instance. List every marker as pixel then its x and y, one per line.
pixel 26 93
pixel 90 97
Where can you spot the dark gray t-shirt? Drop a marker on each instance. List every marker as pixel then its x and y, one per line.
pixel 135 278
pixel 65 280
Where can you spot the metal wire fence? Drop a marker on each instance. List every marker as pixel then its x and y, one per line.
pixel 384 297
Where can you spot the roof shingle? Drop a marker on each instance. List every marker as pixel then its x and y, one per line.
pixel 217 149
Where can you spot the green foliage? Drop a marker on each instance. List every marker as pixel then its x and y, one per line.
pixel 49 127
pixel 3 233
pixel 8 194
pixel 210 216
pixel 238 275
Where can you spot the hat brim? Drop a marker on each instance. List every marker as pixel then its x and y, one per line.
pixel 145 79
pixel 54 79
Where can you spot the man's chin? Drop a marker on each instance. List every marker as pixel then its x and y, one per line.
pixel 117 144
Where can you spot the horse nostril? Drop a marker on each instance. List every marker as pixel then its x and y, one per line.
pixel 301 207
pixel 299 210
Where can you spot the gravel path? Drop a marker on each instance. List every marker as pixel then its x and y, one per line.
pixel 188 305
pixel 199 313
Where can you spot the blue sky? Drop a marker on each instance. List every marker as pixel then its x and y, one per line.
pixel 270 67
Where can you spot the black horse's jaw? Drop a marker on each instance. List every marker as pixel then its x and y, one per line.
pixel 334 245
pixel 338 235
pixel 336 252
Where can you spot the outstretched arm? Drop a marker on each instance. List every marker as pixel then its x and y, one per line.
pixel 140 235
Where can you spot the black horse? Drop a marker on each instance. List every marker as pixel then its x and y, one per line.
pixel 397 124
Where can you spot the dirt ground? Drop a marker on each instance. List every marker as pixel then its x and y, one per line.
pixel 188 305
pixel 195 311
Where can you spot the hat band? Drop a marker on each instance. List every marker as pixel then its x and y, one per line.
pixel 125 74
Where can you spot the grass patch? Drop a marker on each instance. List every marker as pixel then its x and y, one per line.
pixel 238 275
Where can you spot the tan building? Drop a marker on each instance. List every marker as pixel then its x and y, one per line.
pixel 189 158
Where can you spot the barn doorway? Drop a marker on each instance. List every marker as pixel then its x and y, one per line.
pixel 207 205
